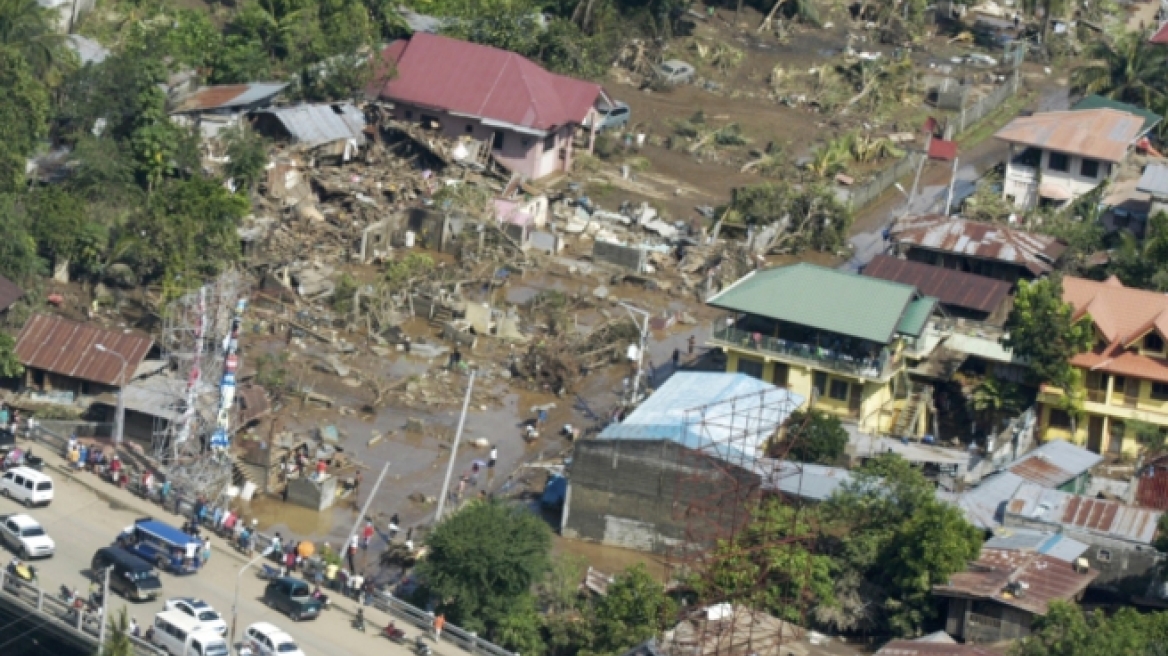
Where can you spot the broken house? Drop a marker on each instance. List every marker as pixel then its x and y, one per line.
pixel 837 338
pixel 528 115
pixel 960 294
pixel 998 596
pixel 212 109
pixel 62 361
pixel 330 130
pixel 1056 157
pixel 697 442
pixel 984 249
pixel 1119 537
pixel 9 294
pixel 1125 374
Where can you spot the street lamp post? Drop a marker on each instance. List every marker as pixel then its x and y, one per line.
pixel 120 419
pixel 235 601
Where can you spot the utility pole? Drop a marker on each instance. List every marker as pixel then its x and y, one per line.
pixel 235 601
pixel 644 329
pixel 454 451
pixel 120 420
pixel 917 180
pixel 952 182
pixel 104 614
pixel 365 507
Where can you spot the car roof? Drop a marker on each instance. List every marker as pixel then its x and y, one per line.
pixel 195 603
pixel 23 521
pixel 29 472
pixel 289 579
pixel 272 631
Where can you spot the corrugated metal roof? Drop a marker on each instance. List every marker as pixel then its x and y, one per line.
pixel 1104 134
pixel 670 413
pixel 802 480
pixel 921 648
pixel 955 288
pixel 156 396
pixel 983 505
pixel 822 298
pixel 1152 488
pixel 1154 180
pixel 1098 516
pixel 1048 579
pixel 1043 542
pixel 228 95
pixel 1099 102
pixel 313 125
pixel 1161 35
pixel 987 241
pixel 65 347
pixel 912 322
pixel 1055 463
pixel 88 50
pixel 483 82
pixel 984 348
pixel 9 293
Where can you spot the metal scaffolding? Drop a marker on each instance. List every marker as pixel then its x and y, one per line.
pixel 199 340
pixel 731 462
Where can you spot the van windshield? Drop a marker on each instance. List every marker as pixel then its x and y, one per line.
pixel 285 647
pixel 146 580
pixel 216 649
pixel 32 532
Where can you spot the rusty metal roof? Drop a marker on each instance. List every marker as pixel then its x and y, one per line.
pixel 65 347
pixel 1037 253
pixel 1076 512
pixel 1152 489
pixel 9 293
pixel 919 648
pixel 228 95
pixel 253 403
pixel 1047 579
pixel 955 288
pixel 1104 134
pixel 1055 463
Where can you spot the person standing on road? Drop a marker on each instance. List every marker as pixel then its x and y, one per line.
pixel 206 551
pixel 692 343
pixel 676 358
pixel 134 630
pixel 367 535
pixel 494 457
pixel 439 622
pixel 352 552
pixel 394 523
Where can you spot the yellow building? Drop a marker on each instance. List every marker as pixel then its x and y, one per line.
pixel 838 339
pixel 1125 374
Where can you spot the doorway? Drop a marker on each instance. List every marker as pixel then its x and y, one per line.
pixel 1095 434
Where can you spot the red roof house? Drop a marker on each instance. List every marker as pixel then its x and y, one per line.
pixel 465 89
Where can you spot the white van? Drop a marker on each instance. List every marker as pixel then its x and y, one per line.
pixel 28 486
pixel 180 634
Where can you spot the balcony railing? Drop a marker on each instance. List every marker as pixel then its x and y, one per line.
pixel 1097 395
pixel 814 356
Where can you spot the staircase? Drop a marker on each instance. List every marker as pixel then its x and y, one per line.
pixel 905 421
pixel 245 473
pixel 441 316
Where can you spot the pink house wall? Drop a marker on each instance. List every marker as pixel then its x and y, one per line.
pixel 521 153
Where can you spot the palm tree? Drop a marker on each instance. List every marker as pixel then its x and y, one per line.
pixel 30 29
pixel 1128 69
pixel 117 640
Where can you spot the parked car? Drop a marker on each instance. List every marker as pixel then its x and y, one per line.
pixel 292 597
pixel 266 639
pixel 181 635
pixel 28 486
pixel 26 537
pixel 131 576
pixel 201 611
pixel 674 72
pixel 614 117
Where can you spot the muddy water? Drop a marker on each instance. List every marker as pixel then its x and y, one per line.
pixel 611 560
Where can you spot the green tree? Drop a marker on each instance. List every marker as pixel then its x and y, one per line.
pixel 482 564
pixel 64 233
pixel 10 366
pixel 771 565
pixel 816 219
pixel 932 545
pixel 1066 630
pixel 29 29
pixel 1128 69
pixel 247 154
pixel 1042 330
pixel 18 248
pixel 117 639
pixel 815 436
pixel 24 114
pixel 635 609
pixel 993 399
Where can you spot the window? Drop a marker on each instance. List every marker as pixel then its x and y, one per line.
pixel 497 142
pixel 409 115
pixel 549 142
pixel 1160 391
pixel 1059 418
pixel 839 390
pixel 1153 342
pixel 1029 157
pixel 1058 162
pixel 750 367
pixel 1089 168
pixel 469 128
pixel 819 383
pixel 1104 556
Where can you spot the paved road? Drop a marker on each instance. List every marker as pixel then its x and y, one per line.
pixel 81 520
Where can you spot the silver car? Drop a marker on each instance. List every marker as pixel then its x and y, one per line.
pixel 675 71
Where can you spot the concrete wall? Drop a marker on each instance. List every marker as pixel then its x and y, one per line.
pixel 985 622
pixel 1022 182
pixel 635 494
pixel 622 256
pixel 312 494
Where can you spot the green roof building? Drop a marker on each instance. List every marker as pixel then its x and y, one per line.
pixel 836 338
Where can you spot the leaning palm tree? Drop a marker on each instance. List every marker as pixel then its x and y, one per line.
pixel 30 29
pixel 1128 69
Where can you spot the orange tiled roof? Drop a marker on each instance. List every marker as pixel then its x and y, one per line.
pixel 1122 315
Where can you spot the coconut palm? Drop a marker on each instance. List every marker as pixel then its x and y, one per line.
pixel 30 29
pixel 1128 69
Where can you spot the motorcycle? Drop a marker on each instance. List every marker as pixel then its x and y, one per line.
pixel 421 648
pixel 22 571
pixel 322 598
pixel 395 634
pixel 269 573
pixel 359 620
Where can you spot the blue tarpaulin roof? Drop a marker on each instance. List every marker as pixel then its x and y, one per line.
pixel 734 413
